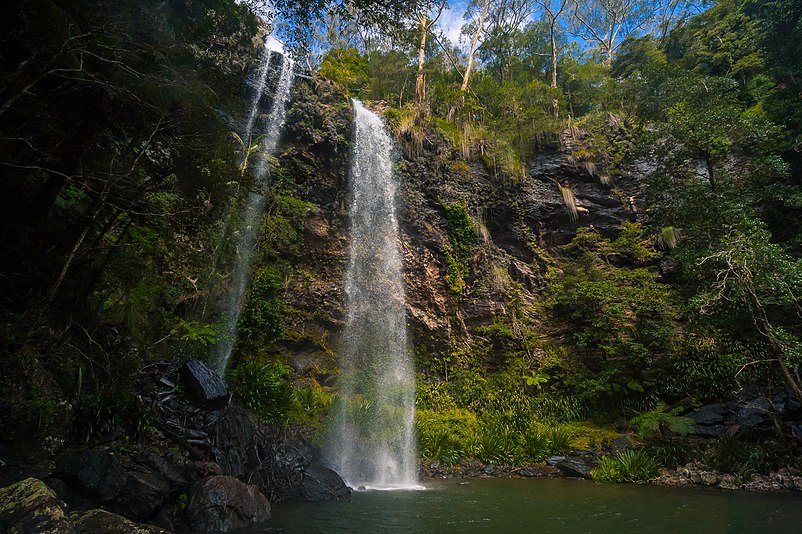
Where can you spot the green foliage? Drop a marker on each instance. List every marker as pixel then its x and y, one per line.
pixel 734 454
pixel 107 414
pixel 462 234
pixel 345 67
pixel 262 319
pixel 669 452
pixel 622 313
pixel 265 387
pixel 631 465
pixel 497 444
pixel 445 436
pixel 657 421
pixel 194 332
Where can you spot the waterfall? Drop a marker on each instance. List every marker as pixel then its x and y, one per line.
pixel 372 442
pixel 245 236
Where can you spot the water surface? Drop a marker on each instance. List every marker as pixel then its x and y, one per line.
pixel 546 505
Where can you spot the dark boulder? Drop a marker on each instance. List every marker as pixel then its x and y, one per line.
pixel 575 464
pixel 322 484
pixel 711 414
pixel 223 503
pixel 620 445
pixel 95 473
pixel 205 387
pixel 142 495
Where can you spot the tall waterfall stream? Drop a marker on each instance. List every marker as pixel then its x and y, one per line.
pixel 373 440
pixel 269 129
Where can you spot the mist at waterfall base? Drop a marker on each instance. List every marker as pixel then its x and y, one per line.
pixel 545 505
pixel 274 64
pixel 372 444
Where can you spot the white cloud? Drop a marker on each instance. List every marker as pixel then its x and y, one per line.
pixel 451 22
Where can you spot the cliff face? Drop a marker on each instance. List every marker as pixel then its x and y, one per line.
pixel 517 224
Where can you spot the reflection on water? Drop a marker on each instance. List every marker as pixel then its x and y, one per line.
pixel 546 505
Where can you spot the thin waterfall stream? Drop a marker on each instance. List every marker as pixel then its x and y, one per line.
pixel 372 444
pixel 269 129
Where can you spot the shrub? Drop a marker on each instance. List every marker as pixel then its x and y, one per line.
pixel 668 452
pixel 732 454
pixel 265 388
pixel 498 445
pixel 659 420
pixel 608 470
pixel 637 465
pixel 98 416
pixel 442 446
pixel 536 444
pixel 632 465
pixel 559 440
pixel 445 436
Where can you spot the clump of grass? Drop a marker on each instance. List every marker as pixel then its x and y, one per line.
pixel 631 465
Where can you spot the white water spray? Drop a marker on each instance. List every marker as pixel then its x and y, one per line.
pixel 270 129
pixel 373 441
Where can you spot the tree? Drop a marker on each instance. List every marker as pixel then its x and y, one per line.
pixel 427 17
pixel 552 11
pixel 749 275
pixel 605 23
pixel 474 42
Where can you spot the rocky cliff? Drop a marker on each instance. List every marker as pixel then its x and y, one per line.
pixel 517 223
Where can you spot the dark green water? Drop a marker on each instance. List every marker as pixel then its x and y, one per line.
pixel 547 505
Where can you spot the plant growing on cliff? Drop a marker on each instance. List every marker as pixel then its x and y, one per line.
pixel 462 234
pixel 264 387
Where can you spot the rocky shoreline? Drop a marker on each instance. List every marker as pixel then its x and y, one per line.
pixel 207 465
pixel 578 464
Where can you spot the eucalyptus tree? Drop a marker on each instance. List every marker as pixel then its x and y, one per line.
pixel 553 11
pixel 474 43
pixel 604 24
pixel 427 14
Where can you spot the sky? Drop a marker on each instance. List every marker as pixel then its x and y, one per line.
pixel 451 22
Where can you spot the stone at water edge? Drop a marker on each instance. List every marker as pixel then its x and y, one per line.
pixel 30 506
pixel 204 386
pixel 575 464
pixel 223 503
pixel 322 484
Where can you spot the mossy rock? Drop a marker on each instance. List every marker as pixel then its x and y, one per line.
pixel 31 506
pixel 93 521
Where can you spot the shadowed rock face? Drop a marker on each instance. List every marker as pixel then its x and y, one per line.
pixel 223 503
pixel 31 506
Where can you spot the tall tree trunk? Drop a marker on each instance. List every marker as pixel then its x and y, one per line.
pixel 474 42
pixel 420 89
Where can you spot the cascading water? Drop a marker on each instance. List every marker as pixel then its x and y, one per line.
pixel 373 439
pixel 270 130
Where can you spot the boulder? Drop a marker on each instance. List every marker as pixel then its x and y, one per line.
pixel 31 506
pixel 575 464
pixel 95 521
pixel 223 503
pixel 711 414
pixel 753 413
pixel 142 495
pixel 204 387
pixel 620 445
pixel 96 473
pixel 322 484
